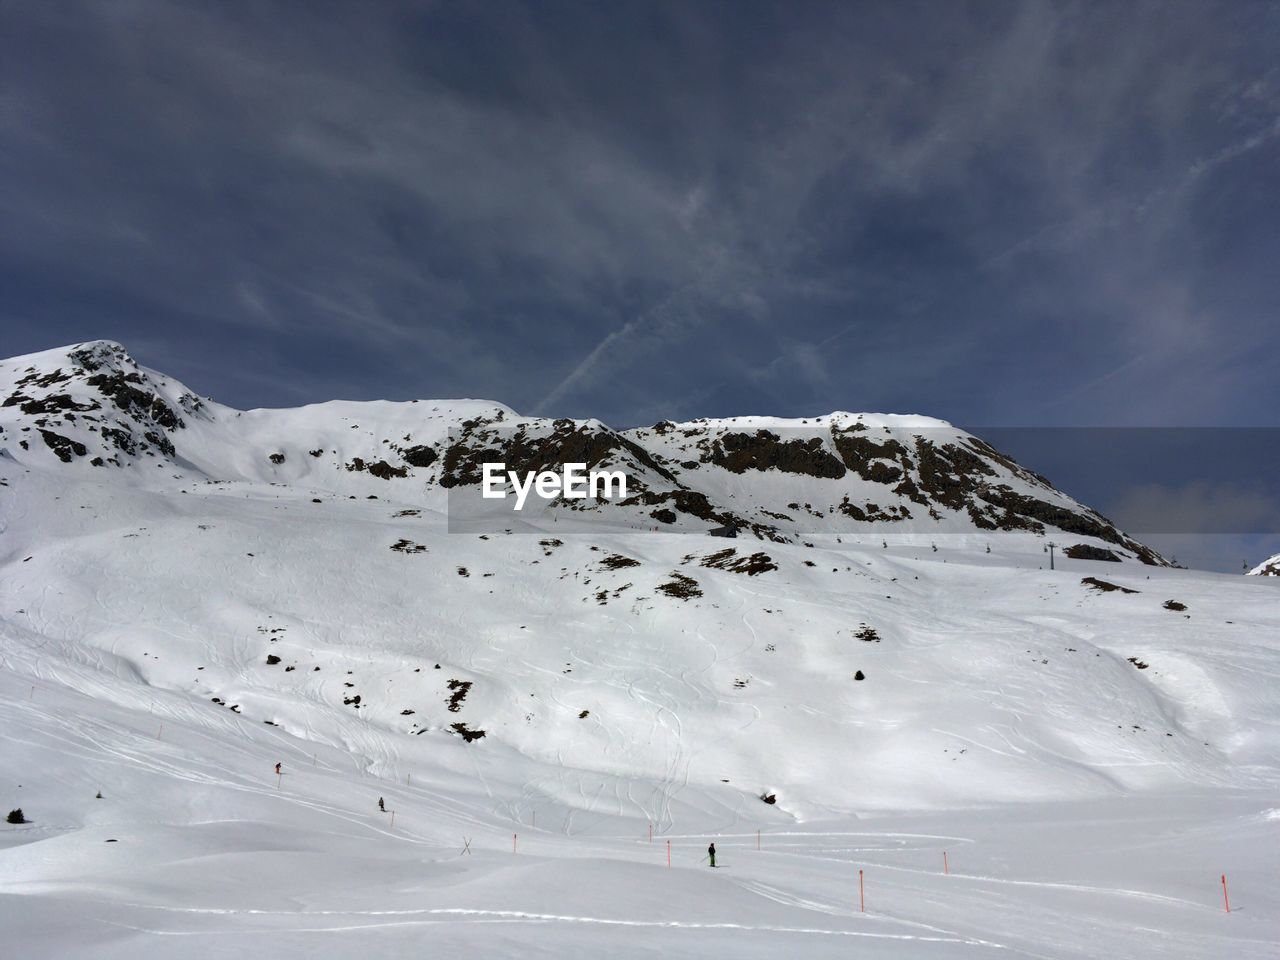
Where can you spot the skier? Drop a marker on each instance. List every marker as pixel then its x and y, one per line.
pixel 711 852
pixel 382 806
pixel 277 769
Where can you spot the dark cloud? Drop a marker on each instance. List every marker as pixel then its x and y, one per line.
pixel 1012 213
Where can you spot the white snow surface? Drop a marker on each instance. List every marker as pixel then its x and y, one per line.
pixel 1090 761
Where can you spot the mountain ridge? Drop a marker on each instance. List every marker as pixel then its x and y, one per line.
pixel 777 479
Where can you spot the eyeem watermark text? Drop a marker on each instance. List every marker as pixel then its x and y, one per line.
pixel 574 483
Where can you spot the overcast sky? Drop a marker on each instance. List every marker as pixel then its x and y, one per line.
pixel 1014 214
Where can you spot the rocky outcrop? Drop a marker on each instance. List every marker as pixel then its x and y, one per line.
pixel 1268 568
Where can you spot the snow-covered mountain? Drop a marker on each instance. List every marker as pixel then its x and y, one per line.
pixel 93 405
pixel 1267 568
pixel 880 658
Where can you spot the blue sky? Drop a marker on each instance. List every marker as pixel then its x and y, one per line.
pixel 1012 214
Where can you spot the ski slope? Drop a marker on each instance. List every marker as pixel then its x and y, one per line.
pixel 1091 757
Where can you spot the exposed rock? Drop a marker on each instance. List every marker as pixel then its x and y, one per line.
pixel 764 450
pixel 52 404
pixel 419 456
pixel 122 391
pixel 616 561
pixel 867 458
pixel 468 735
pixel 681 587
pixel 523 452
pixel 1105 586
pixel 460 689
pixel 63 447
pixel 381 469
pixel 1083 551
pixel 728 559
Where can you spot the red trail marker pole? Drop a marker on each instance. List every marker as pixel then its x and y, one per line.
pixel 1226 902
pixel 862 898
pixel 945 867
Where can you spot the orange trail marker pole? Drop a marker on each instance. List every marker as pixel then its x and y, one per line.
pixel 945 868
pixel 862 898
pixel 1226 901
